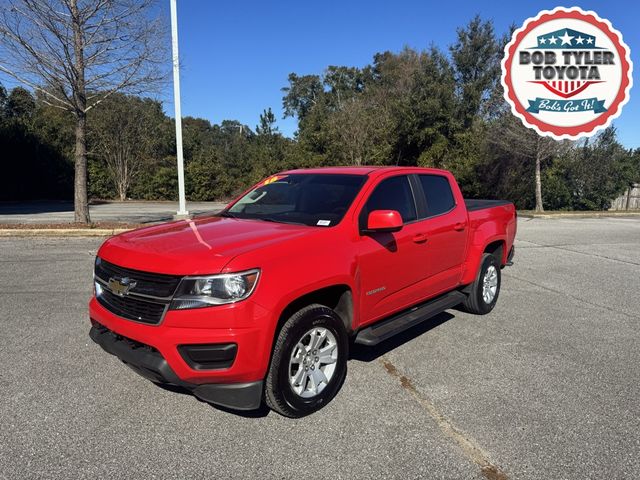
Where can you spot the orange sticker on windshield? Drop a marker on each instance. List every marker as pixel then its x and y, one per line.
pixel 275 178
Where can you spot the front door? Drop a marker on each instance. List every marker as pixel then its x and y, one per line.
pixel 390 265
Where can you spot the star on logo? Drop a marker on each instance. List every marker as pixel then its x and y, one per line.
pixel 543 41
pixel 579 40
pixel 589 40
pixel 552 40
pixel 566 38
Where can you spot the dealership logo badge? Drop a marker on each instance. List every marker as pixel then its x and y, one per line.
pixel 567 73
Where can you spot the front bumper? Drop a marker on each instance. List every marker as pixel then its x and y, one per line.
pixel 245 324
pixel 162 359
pixel 149 362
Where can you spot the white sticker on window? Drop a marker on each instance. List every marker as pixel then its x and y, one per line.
pixel 324 223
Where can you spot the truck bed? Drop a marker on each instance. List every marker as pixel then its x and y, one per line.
pixel 477 204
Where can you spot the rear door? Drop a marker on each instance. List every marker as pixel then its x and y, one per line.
pixel 390 265
pixel 445 224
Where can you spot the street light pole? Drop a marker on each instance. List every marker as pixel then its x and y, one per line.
pixel 182 207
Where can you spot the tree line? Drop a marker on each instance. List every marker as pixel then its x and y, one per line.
pixel 431 108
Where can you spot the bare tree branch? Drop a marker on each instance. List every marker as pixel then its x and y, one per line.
pixel 28 83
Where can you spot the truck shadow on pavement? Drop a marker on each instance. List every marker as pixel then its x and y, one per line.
pixel 363 353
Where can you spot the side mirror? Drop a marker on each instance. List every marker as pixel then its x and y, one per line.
pixel 384 221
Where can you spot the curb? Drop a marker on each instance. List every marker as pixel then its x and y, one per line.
pixel 587 214
pixel 61 232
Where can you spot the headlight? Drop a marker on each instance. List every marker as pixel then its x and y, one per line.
pixel 197 292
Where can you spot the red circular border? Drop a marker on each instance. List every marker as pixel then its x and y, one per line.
pixel 584 128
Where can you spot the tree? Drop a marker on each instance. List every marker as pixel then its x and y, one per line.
pixel 77 53
pixel 597 171
pixel 123 132
pixel 510 135
pixel 476 59
pixel 267 123
pixel 358 132
pixel 429 121
pixel 302 94
pixel 20 104
pixel 345 83
pixel 33 166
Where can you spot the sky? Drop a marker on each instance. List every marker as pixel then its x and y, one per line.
pixel 236 56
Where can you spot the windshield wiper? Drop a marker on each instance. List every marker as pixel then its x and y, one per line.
pixel 228 214
pixel 268 219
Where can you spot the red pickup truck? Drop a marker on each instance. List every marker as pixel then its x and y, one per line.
pixel 260 302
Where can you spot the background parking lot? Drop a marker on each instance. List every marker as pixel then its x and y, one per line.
pixel 546 386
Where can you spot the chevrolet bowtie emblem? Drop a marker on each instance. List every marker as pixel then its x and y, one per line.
pixel 121 286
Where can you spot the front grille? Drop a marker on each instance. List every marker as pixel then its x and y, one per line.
pixel 154 284
pixel 146 301
pixel 132 308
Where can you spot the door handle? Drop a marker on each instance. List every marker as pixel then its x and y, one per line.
pixel 420 238
pixel 458 227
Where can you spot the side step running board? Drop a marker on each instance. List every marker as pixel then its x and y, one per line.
pixel 391 326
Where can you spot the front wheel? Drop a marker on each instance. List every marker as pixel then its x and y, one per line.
pixel 483 293
pixel 309 362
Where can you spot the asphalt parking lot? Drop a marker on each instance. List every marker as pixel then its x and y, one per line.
pixel 546 386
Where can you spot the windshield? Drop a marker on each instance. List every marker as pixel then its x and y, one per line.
pixel 305 199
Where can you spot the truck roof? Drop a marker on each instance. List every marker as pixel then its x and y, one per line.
pixel 357 170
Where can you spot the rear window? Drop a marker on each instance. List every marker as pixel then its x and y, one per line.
pixel 438 194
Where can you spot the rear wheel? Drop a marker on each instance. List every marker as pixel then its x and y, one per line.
pixel 309 362
pixel 483 293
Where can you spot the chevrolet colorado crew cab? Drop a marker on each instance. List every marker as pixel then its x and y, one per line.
pixel 261 302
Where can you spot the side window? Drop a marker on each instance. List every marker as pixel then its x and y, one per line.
pixel 391 194
pixel 438 194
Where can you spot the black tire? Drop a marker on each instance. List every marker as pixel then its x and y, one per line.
pixel 279 394
pixel 475 302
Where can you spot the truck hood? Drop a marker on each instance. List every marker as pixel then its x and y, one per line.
pixel 195 247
